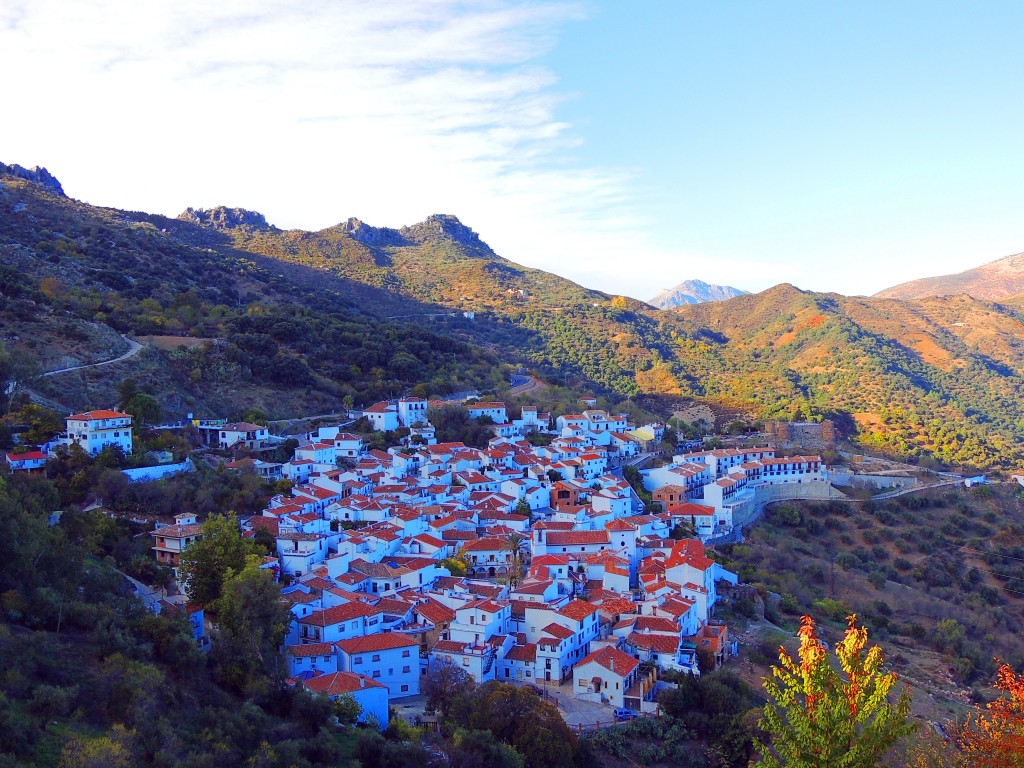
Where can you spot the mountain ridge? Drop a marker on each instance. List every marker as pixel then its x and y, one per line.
pixel 693 292
pixel 994 280
pixel 433 307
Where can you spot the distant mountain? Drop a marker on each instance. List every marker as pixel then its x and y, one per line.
pixel 997 280
pixel 693 292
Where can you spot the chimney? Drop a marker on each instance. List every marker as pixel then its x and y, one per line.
pixel 362 681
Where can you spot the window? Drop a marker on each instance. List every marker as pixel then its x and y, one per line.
pixel 406 653
pixel 405 670
pixel 357 660
pixel 376 673
pixel 405 688
pixel 376 657
pixel 465 661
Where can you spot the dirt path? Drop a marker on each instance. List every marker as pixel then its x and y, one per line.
pixel 133 349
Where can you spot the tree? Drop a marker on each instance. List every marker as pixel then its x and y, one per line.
pixel 252 622
pixel 456 565
pixel 995 738
pixel 207 560
pixel 443 684
pixel 521 719
pixel 821 717
pixel 145 410
pixel 473 749
pixel 347 709
pixel 513 544
pixel 111 751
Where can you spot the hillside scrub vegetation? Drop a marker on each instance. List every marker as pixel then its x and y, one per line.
pixel 363 312
pixel 937 570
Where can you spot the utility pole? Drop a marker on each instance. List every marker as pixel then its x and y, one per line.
pixel 832 574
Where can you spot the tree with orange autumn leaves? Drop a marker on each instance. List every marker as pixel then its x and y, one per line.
pixel 823 717
pixel 994 737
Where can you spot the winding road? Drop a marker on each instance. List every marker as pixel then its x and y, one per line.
pixel 133 349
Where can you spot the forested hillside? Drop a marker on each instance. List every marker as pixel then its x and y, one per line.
pixel 939 377
pixel 249 334
pixel 250 315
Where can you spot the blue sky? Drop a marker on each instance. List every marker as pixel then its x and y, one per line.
pixel 839 147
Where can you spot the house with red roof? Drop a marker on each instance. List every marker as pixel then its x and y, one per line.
pixel 389 658
pixel 340 622
pixel 93 431
pixel 27 461
pixel 169 541
pixel 371 696
pixel 606 675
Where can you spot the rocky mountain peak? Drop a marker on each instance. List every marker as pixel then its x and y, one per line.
pixel 372 236
pixel 440 226
pixel 224 218
pixel 38 174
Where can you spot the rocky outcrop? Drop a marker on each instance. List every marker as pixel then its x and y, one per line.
pixel 375 237
pixel 440 226
pixel 225 218
pixel 436 227
pixel 37 174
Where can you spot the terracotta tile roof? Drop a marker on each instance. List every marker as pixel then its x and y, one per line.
pixel 338 614
pixel 488 544
pixel 313 649
pixel 578 610
pixel 557 631
pixel 657 643
pixel 612 659
pixel 383 641
pixel 688 509
pixel 177 531
pixel 570 538
pixel 526 652
pixel 28 456
pixel 534 588
pixel 98 415
pixel 393 607
pixel 619 525
pixel 656 624
pixel 339 683
pixel 435 612
pixel 616 606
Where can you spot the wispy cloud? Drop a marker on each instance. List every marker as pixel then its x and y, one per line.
pixel 314 111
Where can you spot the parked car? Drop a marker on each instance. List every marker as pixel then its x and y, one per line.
pixel 625 714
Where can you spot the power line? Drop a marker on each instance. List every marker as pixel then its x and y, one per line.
pixel 983 552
